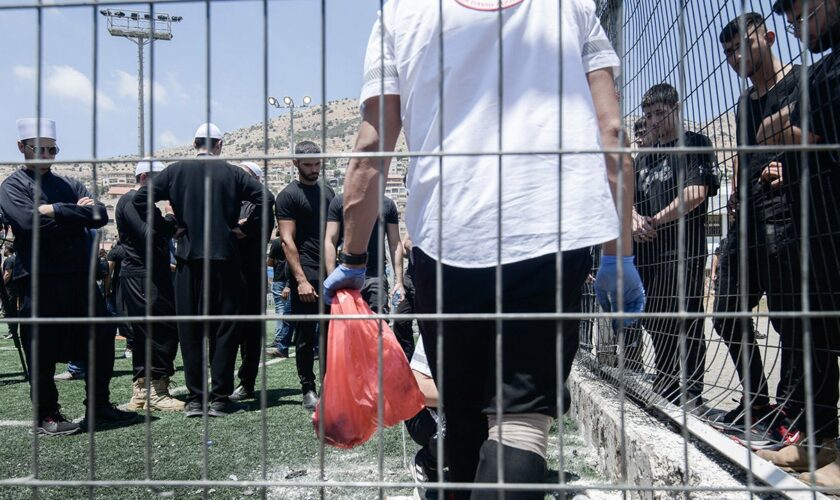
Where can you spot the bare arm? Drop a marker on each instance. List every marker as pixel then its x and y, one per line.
pixel 7 277
pixel 395 246
pixel 331 244
pixel 428 388
pixel 361 186
pixel 287 236
pixel 602 87
pixel 693 196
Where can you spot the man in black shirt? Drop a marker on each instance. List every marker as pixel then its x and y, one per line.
pixel 68 217
pixel 373 290
pixel 823 223
pixel 252 249
pixel 214 189
pixel 299 220
pixel 666 184
pixel 134 298
pixel 11 307
pixel 771 246
pixel 282 305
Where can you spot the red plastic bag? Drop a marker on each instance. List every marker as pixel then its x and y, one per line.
pixel 349 395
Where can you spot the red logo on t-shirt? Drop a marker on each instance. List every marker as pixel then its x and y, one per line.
pixel 489 4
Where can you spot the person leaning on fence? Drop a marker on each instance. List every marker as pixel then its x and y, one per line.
pixel 68 214
pixel 667 183
pixel 194 187
pixel 252 251
pixel 298 209
pixel 536 113
pixel 133 295
pixel 771 246
pixel 822 114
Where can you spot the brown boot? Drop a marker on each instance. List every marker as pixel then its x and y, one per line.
pixel 160 399
pixel 827 476
pixel 138 396
pixel 795 457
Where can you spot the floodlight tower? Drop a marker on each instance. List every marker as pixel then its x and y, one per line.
pixel 289 103
pixel 140 28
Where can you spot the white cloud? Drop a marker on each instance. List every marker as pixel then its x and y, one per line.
pixel 24 73
pixel 66 83
pixel 168 139
pixel 127 87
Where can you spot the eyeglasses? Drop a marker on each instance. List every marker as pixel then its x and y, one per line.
pixel 39 150
pixel 797 22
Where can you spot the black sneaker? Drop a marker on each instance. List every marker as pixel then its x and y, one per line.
pixel 225 407
pixel 110 414
pixel 193 409
pixel 424 470
pixel 241 393
pixel 57 425
pixel 310 400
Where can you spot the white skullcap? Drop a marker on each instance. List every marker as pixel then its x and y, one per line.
pixel 208 130
pixel 253 167
pixel 146 166
pixel 28 128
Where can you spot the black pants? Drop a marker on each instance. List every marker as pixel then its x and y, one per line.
pixel 225 288
pixel 307 338
pixel 529 347
pixel 120 308
pixel 65 296
pixel 660 275
pixel 773 269
pixel 252 331
pixel 164 334
pixel 402 328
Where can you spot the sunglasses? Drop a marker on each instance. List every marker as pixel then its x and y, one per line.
pixel 39 150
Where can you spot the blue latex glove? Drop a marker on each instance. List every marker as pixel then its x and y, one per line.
pixel 606 287
pixel 343 277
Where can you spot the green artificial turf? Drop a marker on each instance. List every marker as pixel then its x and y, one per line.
pixel 176 452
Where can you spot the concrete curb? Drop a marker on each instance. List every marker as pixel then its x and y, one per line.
pixel 655 455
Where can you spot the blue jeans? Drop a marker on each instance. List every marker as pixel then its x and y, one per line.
pixel 284 329
pixel 77 368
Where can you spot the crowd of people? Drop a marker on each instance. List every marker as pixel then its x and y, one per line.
pixel 475 224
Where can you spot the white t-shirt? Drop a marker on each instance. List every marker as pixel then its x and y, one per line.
pixel 530 108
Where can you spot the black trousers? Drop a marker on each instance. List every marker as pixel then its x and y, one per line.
pixel 225 289
pixel 307 338
pixel 252 331
pixel 65 296
pixel 660 274
pixel 402 328
pixel 529 347
pixel 164 334
pixel 773 269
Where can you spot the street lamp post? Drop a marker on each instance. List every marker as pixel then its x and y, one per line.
pixel 289 103
pixel 140 28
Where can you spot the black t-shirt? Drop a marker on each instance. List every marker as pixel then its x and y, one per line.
pixel 302 204
pixel 117 255
pixel 275 251
pixel 9 266
pixel 768 205
pixel 824 115
pixel 391 216
pixel 657 185
pixel 133 231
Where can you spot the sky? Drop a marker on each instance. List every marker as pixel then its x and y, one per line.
pixel 180 91
pixel 236 49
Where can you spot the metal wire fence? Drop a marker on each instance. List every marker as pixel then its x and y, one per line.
pixel 734 234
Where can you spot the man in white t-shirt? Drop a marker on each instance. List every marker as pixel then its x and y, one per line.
pixel 457 202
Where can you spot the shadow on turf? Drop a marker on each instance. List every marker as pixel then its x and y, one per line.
pixel 277 397
pixel 110 426
pixel 17 376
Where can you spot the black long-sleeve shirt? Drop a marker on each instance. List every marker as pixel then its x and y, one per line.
pixel 65 238
pixel 183 184
pixel 133 233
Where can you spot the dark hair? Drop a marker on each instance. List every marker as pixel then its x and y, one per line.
pixel 733 27
pixel 782 5
pixel 201 143
pixel 307 148
pixel 640 123
pixel 661 93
